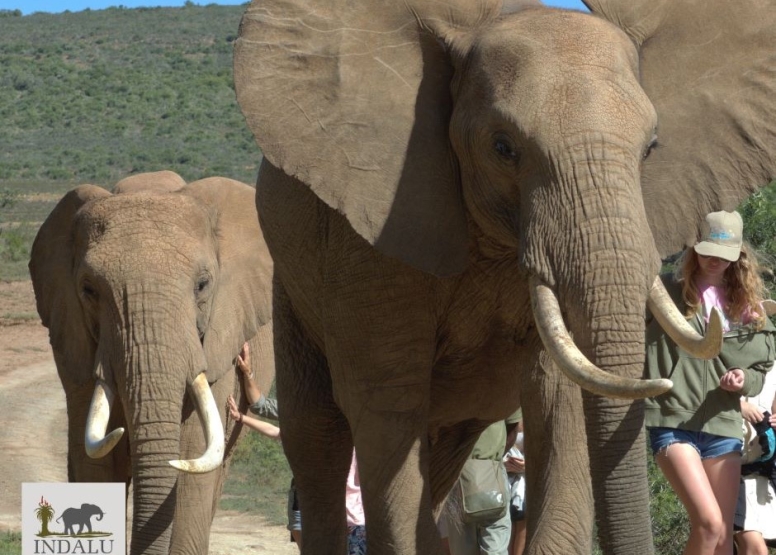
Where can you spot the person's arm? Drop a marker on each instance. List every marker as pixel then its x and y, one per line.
pixel 258 404
pixel 750 412
pixel 264 428
pixel 243 360
pixel 773 413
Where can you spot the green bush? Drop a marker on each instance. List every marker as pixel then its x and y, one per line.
pixel 7 198
pixel 759 215
pixel 13 246
pixel 10 543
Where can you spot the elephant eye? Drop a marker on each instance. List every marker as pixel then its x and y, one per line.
pixel 202 284
pixel 505 150
pixel 88 291
pixel 650 147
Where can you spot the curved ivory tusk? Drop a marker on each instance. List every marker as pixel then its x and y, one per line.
pixel 675 325
pixel 568 357
pixel 214 431
pixel 97 444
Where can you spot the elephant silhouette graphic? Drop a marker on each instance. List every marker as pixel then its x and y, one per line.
pixel 82 517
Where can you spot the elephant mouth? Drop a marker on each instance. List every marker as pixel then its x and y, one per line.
pixel 98 444
pixel 570 359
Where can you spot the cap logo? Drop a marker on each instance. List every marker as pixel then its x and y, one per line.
pixel 721 235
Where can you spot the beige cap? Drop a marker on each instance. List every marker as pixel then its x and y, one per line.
pixel 721 236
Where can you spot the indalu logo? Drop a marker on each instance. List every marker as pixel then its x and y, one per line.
pixel 69 523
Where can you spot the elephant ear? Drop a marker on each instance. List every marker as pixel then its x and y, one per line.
pixel 709 68
pixel 243 294
pixel 56 295
pixel 352 98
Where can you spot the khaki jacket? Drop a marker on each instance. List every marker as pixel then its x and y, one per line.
pixel 696 402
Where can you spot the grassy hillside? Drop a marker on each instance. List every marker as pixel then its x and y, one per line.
pixel 93 96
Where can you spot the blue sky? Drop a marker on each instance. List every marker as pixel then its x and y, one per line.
pixel 55 6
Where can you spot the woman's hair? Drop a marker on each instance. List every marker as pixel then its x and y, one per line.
pixel 744 288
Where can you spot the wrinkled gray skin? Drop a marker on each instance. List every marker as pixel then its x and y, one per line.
pixel 424 161
pixel 146 290
pixel 80 517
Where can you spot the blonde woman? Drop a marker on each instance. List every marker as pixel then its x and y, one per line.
pixel 695 429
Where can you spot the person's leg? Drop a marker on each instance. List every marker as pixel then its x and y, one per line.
pixel 682 466
pixel 512 537
pixel 750 542
pixel 357 540
pixel 493 539
pixel 294 517
pixel 517 543
pixel 297 535
pixel 724 474
pixel 442 527
pixel 461 537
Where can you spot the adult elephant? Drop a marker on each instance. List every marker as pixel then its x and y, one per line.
pixel 448 186
pixel 148 297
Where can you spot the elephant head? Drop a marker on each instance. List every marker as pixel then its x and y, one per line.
pixel 148 296
pixel 584 147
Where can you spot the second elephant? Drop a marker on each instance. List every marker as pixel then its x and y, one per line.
pixel 148 296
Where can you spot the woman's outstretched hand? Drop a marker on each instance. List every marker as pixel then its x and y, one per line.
pixel 243 360
pixel 233 411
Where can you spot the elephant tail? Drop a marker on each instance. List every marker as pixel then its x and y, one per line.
pixel 60 516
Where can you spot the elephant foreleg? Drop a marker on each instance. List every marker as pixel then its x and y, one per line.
pixel 316 437
pixel 558 490
pixel 383 388
pixel 394 486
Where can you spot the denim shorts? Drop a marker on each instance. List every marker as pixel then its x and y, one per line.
pixel 708 446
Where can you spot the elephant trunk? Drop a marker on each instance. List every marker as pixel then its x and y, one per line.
pixel 602 284
pixel 606 315
pixel 154 485
pixel 160 364
pixel 616 443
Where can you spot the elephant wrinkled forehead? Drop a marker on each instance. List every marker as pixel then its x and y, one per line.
pixel 568 64
pixel 146 211
pixel 144 223
pixel 553 42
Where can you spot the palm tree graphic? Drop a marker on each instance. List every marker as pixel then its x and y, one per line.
pixel 44 512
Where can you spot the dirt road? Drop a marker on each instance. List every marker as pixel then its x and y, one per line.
pixel 33 429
